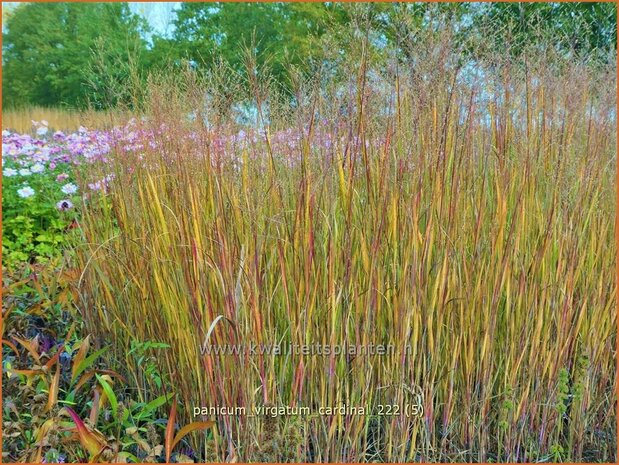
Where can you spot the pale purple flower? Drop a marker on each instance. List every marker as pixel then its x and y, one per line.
pixel 25 192
pixel 25 172
pixel 69 188
pixel 96 186
pixel 37 168
pixel 61 177
pixel 8 172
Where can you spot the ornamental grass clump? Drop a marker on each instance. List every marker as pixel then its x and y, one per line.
pixel 461 218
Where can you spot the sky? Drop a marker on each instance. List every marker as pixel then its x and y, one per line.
pixel 158 14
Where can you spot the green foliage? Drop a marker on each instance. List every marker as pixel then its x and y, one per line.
pixel 556 453
pixel 280 34
pixel 48 50
pixel 33 227
pixel 141 354
pixel 570 27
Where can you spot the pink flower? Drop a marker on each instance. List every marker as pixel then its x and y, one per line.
pixel 96 186
pixel 61 177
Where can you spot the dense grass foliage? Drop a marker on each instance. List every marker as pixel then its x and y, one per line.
pixel 464 217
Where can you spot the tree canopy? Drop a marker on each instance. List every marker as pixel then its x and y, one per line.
pixel 49 50
pixel 69 53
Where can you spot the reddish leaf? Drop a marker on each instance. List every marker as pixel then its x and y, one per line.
pixel 50 363
pixel 31 346
pixel 80 356
pixel 11 345
pixel 196 425
pixel 52 397
pixel 90 440
pixel 169 432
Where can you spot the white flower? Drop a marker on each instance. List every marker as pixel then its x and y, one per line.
pixel 42 131
pixel 25 192
pixel 6 133
pixel 69 188
pixel 37 168
pixel 25 172
pixel 8 172
pixel 64 205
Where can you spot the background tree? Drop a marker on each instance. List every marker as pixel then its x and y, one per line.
pixel 77 54
pixel 48 50
pixel 581 28
pixel 280 34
